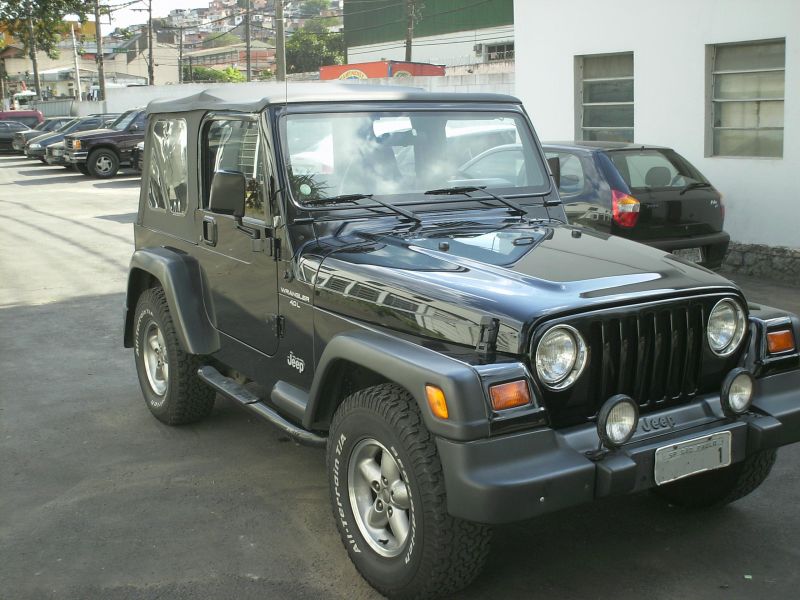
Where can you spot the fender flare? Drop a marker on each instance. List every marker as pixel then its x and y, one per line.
pixel 411 366
pixel 182 280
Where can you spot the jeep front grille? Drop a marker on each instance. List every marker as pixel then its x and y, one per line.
pixel 655 353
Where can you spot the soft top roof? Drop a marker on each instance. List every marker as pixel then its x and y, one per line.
pixel 253 97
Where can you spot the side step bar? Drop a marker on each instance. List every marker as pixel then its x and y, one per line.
pixel 230 389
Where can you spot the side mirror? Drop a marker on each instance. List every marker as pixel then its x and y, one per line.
pixel 227 193
pixel 133 127
pixel 555 169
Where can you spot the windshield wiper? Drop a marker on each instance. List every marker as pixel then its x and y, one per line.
pixel 353 198
pixel 694 185
pixel 453 191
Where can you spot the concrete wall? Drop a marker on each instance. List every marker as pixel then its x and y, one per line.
pixel 669 45
pixel 446 49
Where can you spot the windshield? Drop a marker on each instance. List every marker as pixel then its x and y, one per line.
pixel 69 125
pixel 125 119
pixel 395 153
pixel 655 168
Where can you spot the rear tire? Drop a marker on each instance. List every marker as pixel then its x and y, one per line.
pixel 103 163
pixel 167 374
pixel 389 501
pixel 722 486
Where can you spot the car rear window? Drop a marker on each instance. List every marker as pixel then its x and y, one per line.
pixel 654 168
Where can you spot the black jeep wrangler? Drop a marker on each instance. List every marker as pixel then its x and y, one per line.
pixel 101 152
pixel 329 259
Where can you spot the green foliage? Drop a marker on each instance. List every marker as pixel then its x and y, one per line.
pixel 309 49
pixel 48 20
pixel 314 7
pixel 228 75
pixel 226 39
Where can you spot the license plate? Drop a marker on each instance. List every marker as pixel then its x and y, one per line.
pixel 694 255
pixel 693 456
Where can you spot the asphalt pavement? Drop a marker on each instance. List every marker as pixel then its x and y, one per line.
pixel 98 500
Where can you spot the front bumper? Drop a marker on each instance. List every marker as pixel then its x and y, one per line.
pixel 75 156
pixel 55 159
pixel 523 475
pixel 34 152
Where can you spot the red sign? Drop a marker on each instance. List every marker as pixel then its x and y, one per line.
pixel 380 69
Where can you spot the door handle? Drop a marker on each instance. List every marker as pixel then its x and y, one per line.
pixel 210 230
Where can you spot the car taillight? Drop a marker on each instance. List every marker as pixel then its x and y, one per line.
pixel 624 208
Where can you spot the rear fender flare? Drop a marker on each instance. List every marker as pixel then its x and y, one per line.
pixel 182 280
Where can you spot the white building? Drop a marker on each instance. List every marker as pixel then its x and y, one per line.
pixel 717 81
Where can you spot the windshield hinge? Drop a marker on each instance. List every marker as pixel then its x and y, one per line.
pixel 487 342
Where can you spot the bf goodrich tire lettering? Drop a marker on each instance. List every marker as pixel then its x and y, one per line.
pixel 167 374
pixel 439 554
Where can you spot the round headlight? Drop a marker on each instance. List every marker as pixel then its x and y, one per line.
pixel 34 146
pixel 617 420
pixel 560 357
pixel 737 392
pixel 726 326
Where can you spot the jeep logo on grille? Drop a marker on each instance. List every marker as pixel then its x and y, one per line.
pixel 653 423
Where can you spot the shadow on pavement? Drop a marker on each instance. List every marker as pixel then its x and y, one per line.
pixel 129 182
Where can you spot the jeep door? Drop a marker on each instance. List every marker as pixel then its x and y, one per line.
pixel 236 260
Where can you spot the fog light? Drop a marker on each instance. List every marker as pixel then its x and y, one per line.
pixel 617 420
pixel 737 392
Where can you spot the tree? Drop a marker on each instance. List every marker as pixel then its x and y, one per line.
pixel 308 50
pixel 225 39
pixel 310 8
pixel 228 75
pixel 38 24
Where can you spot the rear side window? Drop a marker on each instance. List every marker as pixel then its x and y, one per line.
pixel 573 178
pixel 167 177
pixel 654 168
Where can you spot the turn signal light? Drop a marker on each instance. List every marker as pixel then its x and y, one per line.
pixel 780 341
pixel 510 395
pixel 437 401
pixel 624 209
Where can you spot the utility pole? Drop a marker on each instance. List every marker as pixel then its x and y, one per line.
pixel 247 39
pixel 101 74
pixel 280 43
pixel 409 27
pixel 78 91
pixel 151 77
pixel 32 47
pixel 180 55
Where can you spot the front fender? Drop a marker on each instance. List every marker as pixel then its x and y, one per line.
pixel 182 280
pixel 411 366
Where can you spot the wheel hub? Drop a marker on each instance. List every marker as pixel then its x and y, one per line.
pixel 156 361
pixel 379 497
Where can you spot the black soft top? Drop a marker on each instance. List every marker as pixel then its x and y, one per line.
pixel 254 97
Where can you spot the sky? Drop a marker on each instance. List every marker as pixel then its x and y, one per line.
pixel 126 16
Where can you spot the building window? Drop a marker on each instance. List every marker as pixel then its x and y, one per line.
pixel 747 86
pixel 500 52
pixel 604 96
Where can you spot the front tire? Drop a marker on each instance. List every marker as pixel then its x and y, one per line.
pixel 103 163
pixel 722 486
pixel 389 500
pixel 167 374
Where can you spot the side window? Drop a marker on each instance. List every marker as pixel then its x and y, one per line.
pixel 140 121
pixel 573 178
pixel 234 145
pixel 87 125
pixel 167 179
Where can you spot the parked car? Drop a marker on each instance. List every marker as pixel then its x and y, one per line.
pixel 36 147
pixel 137 157
pixel 7 131
pixel 49 125
pixel 100 153
pixel 31 118
pixel 649 194
pixel 55 155
pixel 465 357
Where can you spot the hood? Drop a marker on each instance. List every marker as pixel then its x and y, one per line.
pixel 47 139
pixel 441 284
pixel 90 134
